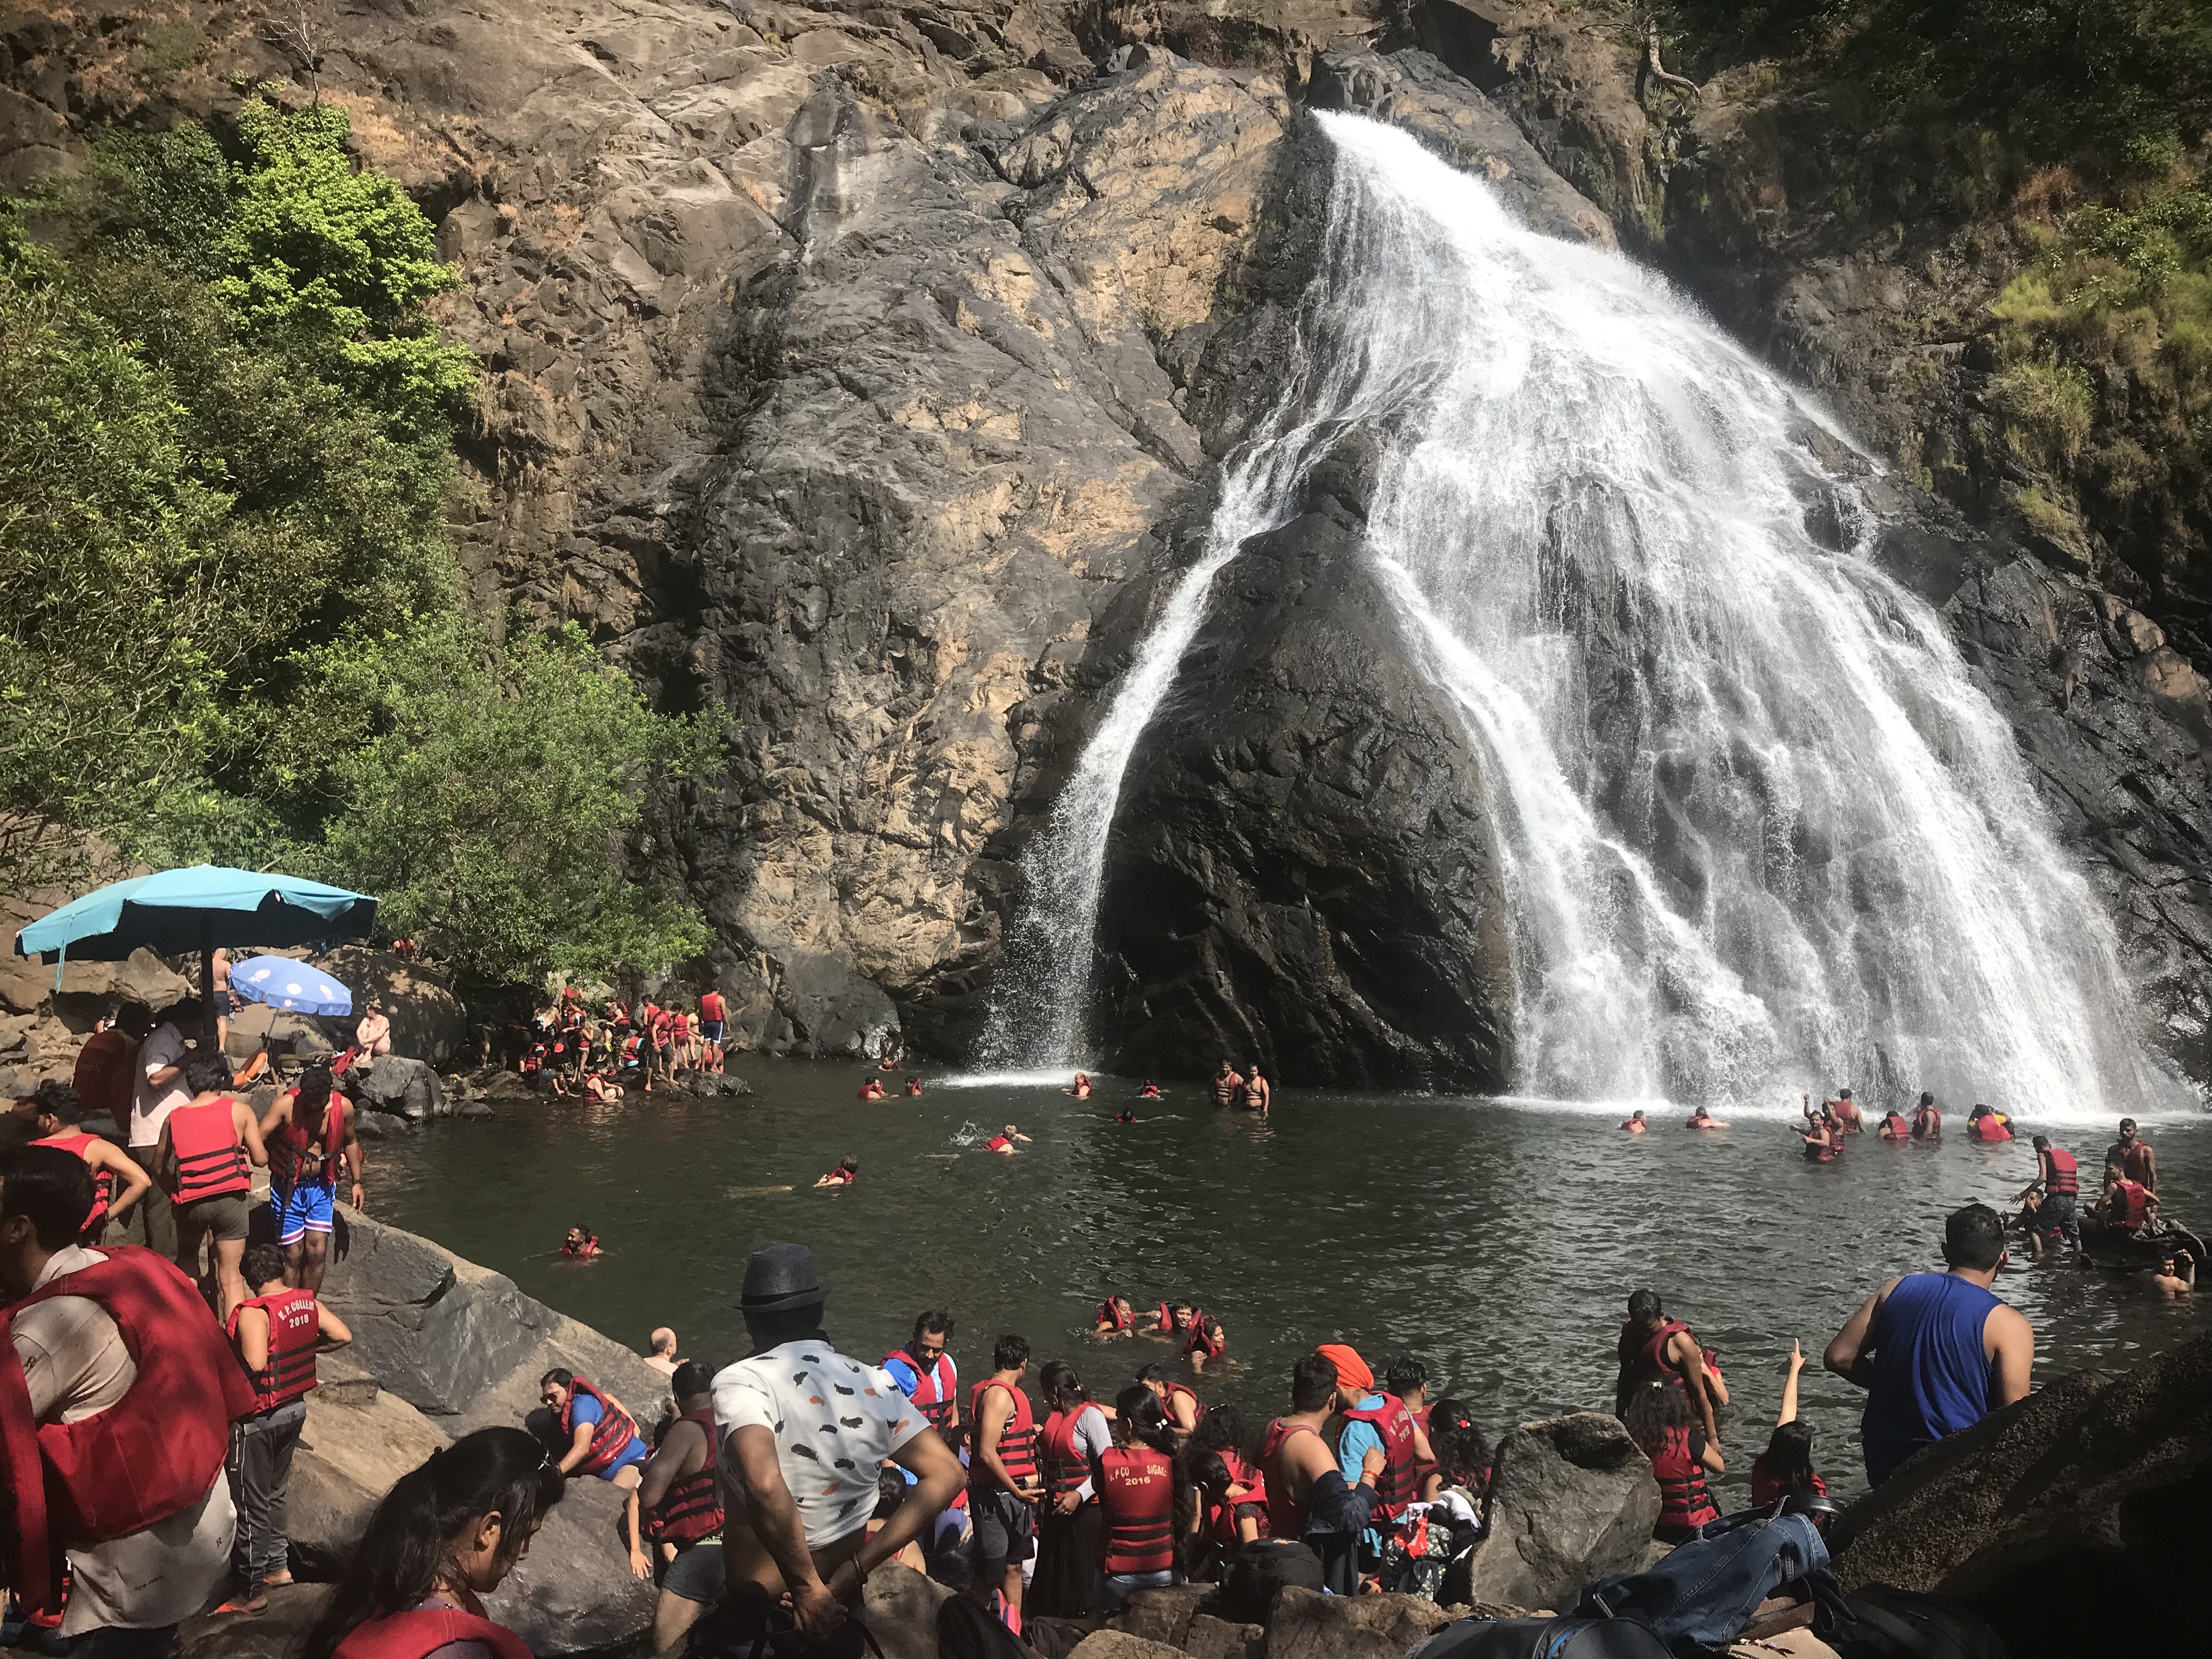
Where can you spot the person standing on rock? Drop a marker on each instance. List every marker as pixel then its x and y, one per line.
pixel 116 1182
pixel 804 1433
pixel 1935 1353
pixel 1308 1495
pixel 278 1334
pixel 1226 1083
pixel 157 1089
pixel 445 1536
pixel 1004 1486
pixel 117 1397
pixel 683 1506
pixel 201 1157
pixel 1656 1351
pixel 603 1440
pixel 309 1131
pixel 713 1020
pixel 1075 1434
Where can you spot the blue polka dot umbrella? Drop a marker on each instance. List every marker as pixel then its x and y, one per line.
pixel 294 987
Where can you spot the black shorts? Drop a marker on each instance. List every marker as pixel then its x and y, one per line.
pixel 696 1573
pixel 1006 1527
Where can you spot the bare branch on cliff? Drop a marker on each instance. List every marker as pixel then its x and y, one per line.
pixel 1654 74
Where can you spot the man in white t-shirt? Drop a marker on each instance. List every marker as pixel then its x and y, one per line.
pixel 157 1089
pixel 802 1434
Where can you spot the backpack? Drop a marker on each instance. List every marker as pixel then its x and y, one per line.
pixel 967 1630
pixel 1541 1638
pixel 1256 1571
pixel 1895 1624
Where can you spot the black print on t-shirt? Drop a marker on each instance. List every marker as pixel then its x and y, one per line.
pixel 806 1451
pixel 840 1388
pixel 851 1422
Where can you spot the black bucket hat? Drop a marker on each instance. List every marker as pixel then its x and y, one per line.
pixel 780 1277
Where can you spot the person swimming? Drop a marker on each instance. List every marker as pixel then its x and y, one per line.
pixel 847 1172
pixel 1895 1127
pixel 582 1245
pixel 1699 1118
pixel 1124 1116
pixel 913 1085
pixel 1635 1125
pixel 873 1089
pixel 1149 1091
pixel 1003 1142
pixel 1080 1088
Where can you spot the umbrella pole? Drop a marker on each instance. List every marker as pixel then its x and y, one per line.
pixel 207 985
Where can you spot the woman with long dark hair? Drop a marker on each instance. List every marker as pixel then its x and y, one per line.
pixel 1785 1469
pixel 1068 1521
pixel 445 1536
pixel 1142 1493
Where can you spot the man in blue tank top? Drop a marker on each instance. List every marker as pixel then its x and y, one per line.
pixel 1935 1353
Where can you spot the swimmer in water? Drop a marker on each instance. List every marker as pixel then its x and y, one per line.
pixel 1149 1091
pixel 1894 1127
pixel 873 1089
pixel 1080 1088
pixel 1635 1125
pixel 1845 1112
pixel 1927 1121
pixel 847 1172
pixel 1699 1118
pixel 1003 1142
pixel 2176 1275
pixel 582 1245
pixel 1124 1116
pixel 1117 1317
pixel 913 1085
pixel 1823 1141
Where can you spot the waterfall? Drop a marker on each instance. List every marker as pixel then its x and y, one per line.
pixel 1760 830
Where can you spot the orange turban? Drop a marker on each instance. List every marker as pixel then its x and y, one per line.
pixel 1351 1370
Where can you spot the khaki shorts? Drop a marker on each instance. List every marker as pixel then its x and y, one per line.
pixel 222 1219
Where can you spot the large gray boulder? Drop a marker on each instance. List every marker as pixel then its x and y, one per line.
pixel 1163 1615
pixel 1308 1624
pixel 573 1596
pixel 902 1607
pixel 2084 1510
pixel 1313 817
pixel 358 1439
pixel 1120 1645
pixel 1571 1499
pixel 402 1086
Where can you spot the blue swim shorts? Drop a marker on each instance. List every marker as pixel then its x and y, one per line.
pixel 306 1210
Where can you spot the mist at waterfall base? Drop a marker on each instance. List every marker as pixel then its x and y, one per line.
pixel 1498 1244
pixel 1760 831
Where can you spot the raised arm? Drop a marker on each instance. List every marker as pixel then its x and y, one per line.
pixel 1790 1384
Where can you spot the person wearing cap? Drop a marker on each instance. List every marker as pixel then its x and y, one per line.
pixel 1376 1420
pixel 802 1431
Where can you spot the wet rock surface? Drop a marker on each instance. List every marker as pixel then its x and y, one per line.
pixel 1311 818
pixel 1572 1500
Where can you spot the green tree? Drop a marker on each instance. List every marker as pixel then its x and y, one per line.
pixel 485 796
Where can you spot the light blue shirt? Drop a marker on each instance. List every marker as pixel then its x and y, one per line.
pixel 1360 1438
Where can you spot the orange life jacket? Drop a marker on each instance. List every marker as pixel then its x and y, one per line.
pixel 210 1156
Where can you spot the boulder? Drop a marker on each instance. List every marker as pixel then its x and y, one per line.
pixel 405 1088
pixel 1163 1615
pixel 1209 1637
pixel 2077 1512
pixel 574 1593
pixel 1310 807
pixel 1119 1644
pixel 901 1606
pixel 1308 1624
pixel 1571 1498
pixel 351 1451
pixel 380 1126
pixel 428 1020
pixel 276 1634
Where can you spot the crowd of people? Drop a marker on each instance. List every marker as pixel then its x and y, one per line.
pixel 603 1049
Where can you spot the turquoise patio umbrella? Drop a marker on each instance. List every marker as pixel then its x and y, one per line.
pixel 200 908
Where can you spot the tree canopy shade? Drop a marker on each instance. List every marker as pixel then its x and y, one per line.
pixel 226 417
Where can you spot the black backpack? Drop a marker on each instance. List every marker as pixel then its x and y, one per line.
pixel 1542 1639
pixel 1888 1623
pixel 1256 1571
pixel 967 1630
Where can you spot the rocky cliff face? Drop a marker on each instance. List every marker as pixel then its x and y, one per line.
pixel 860 371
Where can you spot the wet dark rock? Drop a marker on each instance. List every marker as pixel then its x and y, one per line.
pixel 1571 1499
pixel 2080 1511
pixel 1164 1615
pixel 1302 868
pixel 380 1126
pixel 1308 1624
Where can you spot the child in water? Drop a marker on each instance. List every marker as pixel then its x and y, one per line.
pixel 847 1172
pixel 582 1245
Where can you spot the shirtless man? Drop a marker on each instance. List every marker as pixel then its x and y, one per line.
pixel 1699 1118
pixel 1258 1096
pixel 298 1128
pixel 1226 1083
pixel 2134 1156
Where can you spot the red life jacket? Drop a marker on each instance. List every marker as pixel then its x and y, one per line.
pixel 211 1157
pixel 534 1059
pixel 2134 1203
pixel 1109 1313
pixel 1684 1503
pixel 1819 1151
pixel 1894 1127
pixel 1399 1483
pixel 1167 1319
pixel 1926 1121
pixel 1988 1128
pixel 1016 1446
pixel 1221 1517
pixel 103 1181
pixel 152 1455
pixel 296 1137
pixel 711 1006
pixel 1766 1489
pixel 2135 1163
pixel 290 1371
pixel 1212 1346
pixel 1136 1493
pixel 415 1635
pixel 693 1507
pixel 1197 1405
pixel 1644 1359
pixel 1064 1467
pixel 2064 1179
pixel 1286 1515
pixel 933 1389
pixel 610 1434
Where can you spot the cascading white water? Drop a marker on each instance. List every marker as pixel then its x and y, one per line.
pixel 1760 830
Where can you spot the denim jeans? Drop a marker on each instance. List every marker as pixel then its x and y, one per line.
pixel 1116 1587
pixel 1704 1591
pixel 260 1471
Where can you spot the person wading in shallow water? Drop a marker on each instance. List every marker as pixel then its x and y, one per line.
pixel 1656 1351
pixel 804 1430
pixel 1259 1095
pixel 1927 1121
pixel 1226 1083
pixel 1935 1353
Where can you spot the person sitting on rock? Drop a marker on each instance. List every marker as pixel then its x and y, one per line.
pixel 1308 1497
pixel 683 1510
pixel 445 1536
pixel 847 1172
pixel 599 1088
pixel 603 1440
pixel 796 1545
pixel 373 1036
